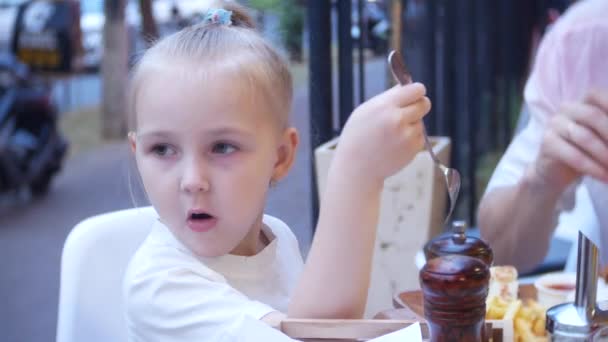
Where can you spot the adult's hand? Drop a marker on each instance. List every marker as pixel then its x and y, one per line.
pixel 575 143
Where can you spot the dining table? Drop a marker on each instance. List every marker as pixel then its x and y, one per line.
pixel 407 309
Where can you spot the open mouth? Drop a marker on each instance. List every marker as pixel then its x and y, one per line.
pixel 200 221
pixel 199 216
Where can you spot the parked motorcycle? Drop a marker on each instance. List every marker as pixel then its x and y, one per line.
pixel 31 147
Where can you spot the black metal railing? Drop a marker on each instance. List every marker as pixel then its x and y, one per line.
pixel 472 55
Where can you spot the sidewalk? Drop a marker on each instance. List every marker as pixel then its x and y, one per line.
pixel 32 234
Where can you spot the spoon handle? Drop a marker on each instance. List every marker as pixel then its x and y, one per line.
pixel 404 77
pixel 398 68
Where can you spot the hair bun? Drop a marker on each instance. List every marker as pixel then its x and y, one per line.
pixel 240 14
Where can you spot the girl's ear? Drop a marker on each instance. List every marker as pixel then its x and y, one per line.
pixel 286 154
pixel 132 140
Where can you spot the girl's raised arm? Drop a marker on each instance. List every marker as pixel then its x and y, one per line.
pixel 381 137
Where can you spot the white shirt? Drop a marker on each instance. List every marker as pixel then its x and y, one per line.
pixel 173 295
pixel 571 60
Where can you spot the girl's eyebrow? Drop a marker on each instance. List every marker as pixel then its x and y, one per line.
pixel 220 131
pixel 154 134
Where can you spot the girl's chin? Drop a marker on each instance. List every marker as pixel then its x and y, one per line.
pixel 211 252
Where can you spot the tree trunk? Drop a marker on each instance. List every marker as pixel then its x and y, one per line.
pixel 148 23
pixel 114 69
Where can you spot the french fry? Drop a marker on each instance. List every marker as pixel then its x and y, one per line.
pixel 523 330
pixel 528 317
pixel 496 308
pixel 526 313
pixel 490 303
pixel 536 307
pixel 538 328
pixel 512 310
pixel 494 314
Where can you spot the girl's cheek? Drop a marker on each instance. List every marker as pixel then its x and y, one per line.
pixel 155 164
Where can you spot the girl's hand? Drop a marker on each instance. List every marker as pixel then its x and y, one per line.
pixel 575 143
pixel 383 134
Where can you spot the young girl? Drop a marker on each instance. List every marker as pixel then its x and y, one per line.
pixel 210 109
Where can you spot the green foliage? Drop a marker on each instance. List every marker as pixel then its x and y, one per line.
pixel 292 26
pixel 265 5
pixel 291 22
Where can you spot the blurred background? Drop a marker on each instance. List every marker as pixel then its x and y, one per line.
pixel 63 74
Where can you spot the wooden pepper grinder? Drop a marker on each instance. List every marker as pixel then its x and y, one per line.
pixel 457 242
pixel 454 289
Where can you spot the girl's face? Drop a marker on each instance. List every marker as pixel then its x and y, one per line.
pixel 206 156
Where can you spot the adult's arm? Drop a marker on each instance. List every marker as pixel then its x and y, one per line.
pixel 566 139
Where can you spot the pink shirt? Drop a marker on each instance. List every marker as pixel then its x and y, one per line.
pixel 571 60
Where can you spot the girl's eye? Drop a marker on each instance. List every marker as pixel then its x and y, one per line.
pixel 223 148
pixel 163 150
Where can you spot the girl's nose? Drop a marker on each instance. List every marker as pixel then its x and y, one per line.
pixel 195 179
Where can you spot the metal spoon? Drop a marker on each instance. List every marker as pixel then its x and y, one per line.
pixel 452 176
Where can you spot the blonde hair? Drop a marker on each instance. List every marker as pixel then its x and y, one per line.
pixel 208 50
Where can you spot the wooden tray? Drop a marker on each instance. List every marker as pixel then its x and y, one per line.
pixel 342 330
pixel 412 300
pixel 408 305
pixel 408 310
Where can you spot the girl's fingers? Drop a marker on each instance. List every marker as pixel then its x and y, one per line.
pixel 415 111
pixel 414 133
pixel 413 129
pixel 405 95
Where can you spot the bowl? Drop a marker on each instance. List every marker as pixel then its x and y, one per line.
pixel 555 288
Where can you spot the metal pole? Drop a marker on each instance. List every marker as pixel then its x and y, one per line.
pixel 320 85
pixel 494 48
pixel 362 40
pixel 504 22
pixel 450 84
pixel 430 64
pixel 462 107
pixel 473 99
pixel 345 61
pixel 449 74
pixel 441 109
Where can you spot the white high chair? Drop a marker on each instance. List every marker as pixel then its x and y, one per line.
pixel 95 256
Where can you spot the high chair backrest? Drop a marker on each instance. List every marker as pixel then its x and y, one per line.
pixel 95 256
